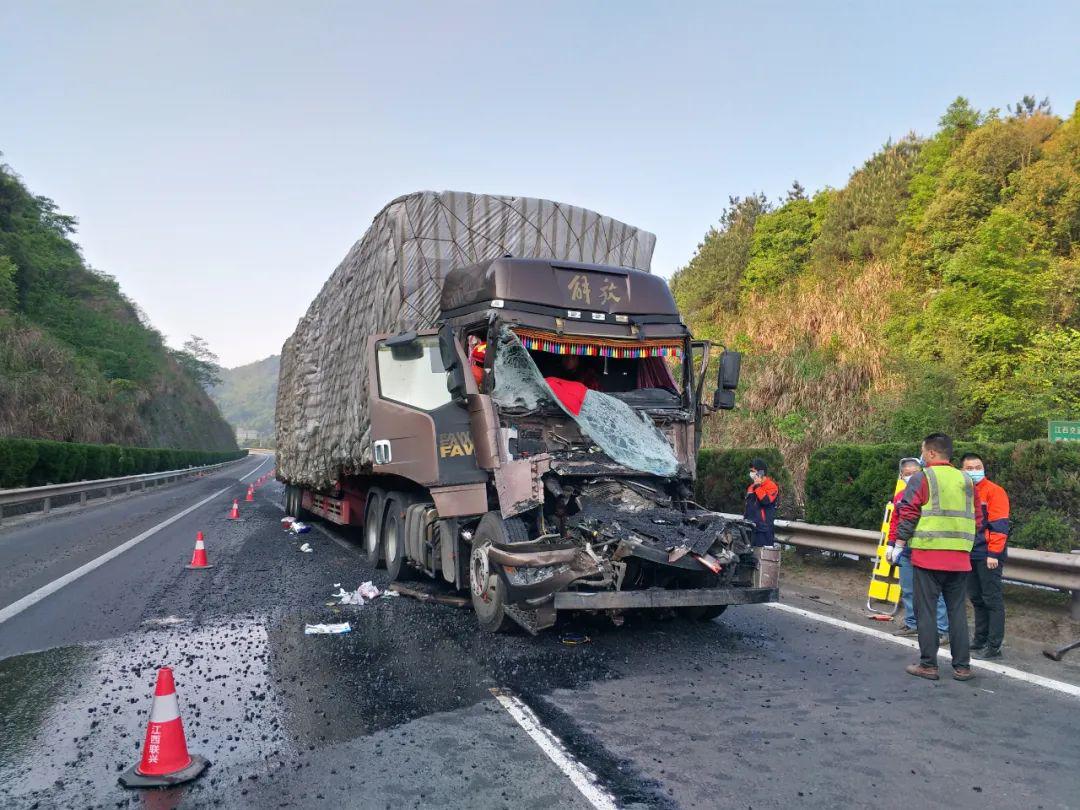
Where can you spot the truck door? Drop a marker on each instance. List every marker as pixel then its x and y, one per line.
pixel 417 430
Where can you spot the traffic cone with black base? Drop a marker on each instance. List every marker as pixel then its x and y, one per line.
pixel 235 513
pixel 198 559
pixel 165 758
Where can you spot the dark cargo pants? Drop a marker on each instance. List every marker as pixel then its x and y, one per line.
pixel 984 588
pixel 929 585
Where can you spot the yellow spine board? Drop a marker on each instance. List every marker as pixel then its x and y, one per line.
pixel 883 595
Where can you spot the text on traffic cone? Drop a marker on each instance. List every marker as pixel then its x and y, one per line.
pixel 165 749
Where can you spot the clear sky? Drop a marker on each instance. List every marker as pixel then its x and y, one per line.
pixel 222 157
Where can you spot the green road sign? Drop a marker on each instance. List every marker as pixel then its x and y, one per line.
pixel 1063 431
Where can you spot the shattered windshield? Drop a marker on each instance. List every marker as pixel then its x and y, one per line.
pixel 628 437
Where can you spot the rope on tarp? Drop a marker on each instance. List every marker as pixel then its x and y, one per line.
pixel 536 340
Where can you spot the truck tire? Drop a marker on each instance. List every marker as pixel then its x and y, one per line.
pixel 486 587
pixel 702 613
pixel 393 538
pixel 374 508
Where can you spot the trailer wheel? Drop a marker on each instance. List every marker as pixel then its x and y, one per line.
pixel 486 587
pixel 373 525
pixel 393 539
pixel 702 613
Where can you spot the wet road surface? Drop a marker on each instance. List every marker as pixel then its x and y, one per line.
pixel 759 708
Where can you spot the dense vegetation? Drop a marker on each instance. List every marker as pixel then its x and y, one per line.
pixel 246 396
pixel 34 462
pixel 938 290
pixel 78 361
pixel 848 485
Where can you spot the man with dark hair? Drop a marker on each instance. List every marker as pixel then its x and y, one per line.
pixel 761 497
pixel 938 518
pixel 987 558
pixel 908 468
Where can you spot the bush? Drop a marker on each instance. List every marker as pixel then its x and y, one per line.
pixel 17 458
pixel 1044 530
pixel 32 462
pixel 723 478
pixel 847 485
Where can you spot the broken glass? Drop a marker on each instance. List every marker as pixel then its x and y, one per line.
pixel 628 437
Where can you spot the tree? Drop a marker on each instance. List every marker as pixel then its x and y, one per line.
pixel 796 192
pixel 9 292
pixel 199 362
pixel 1027 107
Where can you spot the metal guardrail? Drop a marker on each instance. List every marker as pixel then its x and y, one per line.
pixel 1046 568
pixel 104 487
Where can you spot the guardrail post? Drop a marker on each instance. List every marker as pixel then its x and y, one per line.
pixel 46 502
pixel 108 493
pixel 1074 606
pixel 82 498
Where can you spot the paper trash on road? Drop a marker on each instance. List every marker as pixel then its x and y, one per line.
pixel 365 593
pixel 329 629
pixel 299 528
pixel 287 522
pixel 306 548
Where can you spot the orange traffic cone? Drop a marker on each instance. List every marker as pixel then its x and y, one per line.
pixel 198 559
pixel 250 494
pixel 235 513
pixel 165 758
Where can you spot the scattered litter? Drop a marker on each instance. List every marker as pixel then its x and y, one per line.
pixel 390 594
pixel 365 593
pixel 881 617
pixel 574 639
pixel 306 548
pixel 320 629
pixel 299 528
pixel 287 522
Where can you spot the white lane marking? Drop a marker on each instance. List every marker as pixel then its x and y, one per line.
pixel 259 467
pixel 17 607
pixel 1000 669
pixel 583 778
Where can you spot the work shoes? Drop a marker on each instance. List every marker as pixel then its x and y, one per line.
pixel 919 671
pixel 906 631
pixel 963 674
pixel 987 652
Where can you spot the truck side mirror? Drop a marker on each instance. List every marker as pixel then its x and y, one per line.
pixel 723 400
pixel 730 365
pixel 455 372
pixel 404 346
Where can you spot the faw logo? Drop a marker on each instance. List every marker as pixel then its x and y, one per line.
pixel 455 444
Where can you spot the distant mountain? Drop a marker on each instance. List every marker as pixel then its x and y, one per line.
pixel 246 399
pixel 79 362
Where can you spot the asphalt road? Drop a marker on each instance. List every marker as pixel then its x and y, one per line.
pixel 760 708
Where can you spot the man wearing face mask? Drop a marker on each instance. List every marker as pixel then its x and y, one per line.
pixel 987 557
pixel 902 559
pixel 939 519
pixel 761 497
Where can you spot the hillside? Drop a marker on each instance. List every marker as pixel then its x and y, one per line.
pixel 246 398
pixel 78 361
pixel 938 290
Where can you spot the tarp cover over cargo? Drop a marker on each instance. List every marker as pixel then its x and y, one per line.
pixel 391 281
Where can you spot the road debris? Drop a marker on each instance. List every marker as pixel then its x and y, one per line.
pixel 367 592
pixel 327 629
pixel 572 639
pixel 306 548
pixel 426 596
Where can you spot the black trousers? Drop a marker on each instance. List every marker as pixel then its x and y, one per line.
pixel 953 586
pixel 984 588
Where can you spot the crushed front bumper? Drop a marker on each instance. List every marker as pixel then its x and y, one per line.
pixel 662 598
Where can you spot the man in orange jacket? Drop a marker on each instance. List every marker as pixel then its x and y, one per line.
pixel 987 559
pixel 761 498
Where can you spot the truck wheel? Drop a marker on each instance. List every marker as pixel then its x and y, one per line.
pixel 393 539
pixel 486 587
pixel 373 524
pixel 702 613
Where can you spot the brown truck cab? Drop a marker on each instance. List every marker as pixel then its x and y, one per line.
pixel 537 446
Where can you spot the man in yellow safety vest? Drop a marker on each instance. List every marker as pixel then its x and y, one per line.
pixel 939 520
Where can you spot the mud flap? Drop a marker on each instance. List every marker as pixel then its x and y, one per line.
pixel 767 574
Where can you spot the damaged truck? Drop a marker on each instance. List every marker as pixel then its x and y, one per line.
pixel 499 395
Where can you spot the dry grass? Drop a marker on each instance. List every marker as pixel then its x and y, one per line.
pixel 817 358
